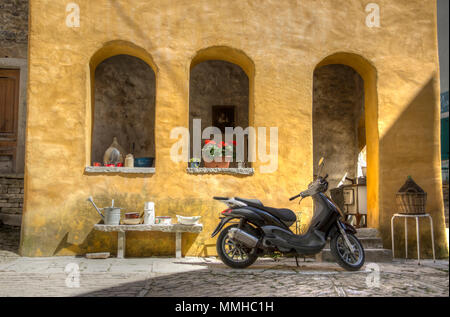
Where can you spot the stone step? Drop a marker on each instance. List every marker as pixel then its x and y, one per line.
pixel 372 255
pixel 368 243
pixel 367 233
pixel 372 243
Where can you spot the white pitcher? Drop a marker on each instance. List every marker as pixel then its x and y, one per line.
pixel 149 213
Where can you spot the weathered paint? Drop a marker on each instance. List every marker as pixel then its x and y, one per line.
pixel 278 44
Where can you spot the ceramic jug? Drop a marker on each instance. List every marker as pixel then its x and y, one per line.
pixel 114 154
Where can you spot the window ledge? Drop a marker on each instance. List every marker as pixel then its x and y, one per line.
pixel 122 170
pixel 232 171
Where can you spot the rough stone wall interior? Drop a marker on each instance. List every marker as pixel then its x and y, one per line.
pixel 338 102
pixel 124 107
pixel 218 83
pixel 11 194
pixel 13 28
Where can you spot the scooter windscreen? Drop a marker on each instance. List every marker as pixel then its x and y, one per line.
pixel 318 186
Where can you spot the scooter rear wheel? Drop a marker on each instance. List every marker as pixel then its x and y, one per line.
pixel 233 254
pixel 343 256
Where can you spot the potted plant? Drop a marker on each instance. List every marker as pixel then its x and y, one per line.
pixel 194 162
pixel 212 150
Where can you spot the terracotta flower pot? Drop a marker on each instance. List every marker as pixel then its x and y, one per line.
pixel 221 164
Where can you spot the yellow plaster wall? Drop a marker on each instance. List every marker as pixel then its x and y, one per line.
pixel 278 44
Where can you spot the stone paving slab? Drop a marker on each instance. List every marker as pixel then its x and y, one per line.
pixel 32 284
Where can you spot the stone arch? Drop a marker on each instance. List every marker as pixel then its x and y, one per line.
pixel 234 56
pixel 234 61
pixel 108 51
pixel 368 73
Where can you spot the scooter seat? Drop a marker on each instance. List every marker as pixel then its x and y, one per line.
pixel 285 215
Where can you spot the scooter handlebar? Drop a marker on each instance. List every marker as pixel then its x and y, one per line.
pixel 312 188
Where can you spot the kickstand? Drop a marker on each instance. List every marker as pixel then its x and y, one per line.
pixel 296 261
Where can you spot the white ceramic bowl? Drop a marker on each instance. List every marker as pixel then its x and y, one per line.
pixel 188 220
pixel 163 220
pixel 133 221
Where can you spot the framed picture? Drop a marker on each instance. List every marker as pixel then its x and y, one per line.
pixel 223 116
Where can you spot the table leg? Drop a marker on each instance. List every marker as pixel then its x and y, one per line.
pixel 432 237
pixel 121 244
pixel 392 235
pixel 406 238
pixel 178 245
pixel 418 240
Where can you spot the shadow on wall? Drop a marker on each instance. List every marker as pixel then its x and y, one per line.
pixel 153 241
pixel 134 246
pixel 406 149
pixel 82 238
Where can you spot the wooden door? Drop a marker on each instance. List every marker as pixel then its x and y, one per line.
pixel 9 104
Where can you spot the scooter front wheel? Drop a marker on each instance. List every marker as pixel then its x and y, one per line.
pixel 232 253
pixel 343 255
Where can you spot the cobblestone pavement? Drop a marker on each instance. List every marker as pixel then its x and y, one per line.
pixel 155 277
pixel 208 277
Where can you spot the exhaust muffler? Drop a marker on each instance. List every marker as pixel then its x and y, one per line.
pixel 243 237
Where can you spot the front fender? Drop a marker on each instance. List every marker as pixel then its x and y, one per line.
pixel 348 228
pixel 222 223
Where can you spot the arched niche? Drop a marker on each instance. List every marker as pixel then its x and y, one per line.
pixel 368 74
pixel 221 80
pixel 122 87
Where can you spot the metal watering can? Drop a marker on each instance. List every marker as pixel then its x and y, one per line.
pixel 110 215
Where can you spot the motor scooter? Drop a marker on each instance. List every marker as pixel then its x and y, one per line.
pixel 263 230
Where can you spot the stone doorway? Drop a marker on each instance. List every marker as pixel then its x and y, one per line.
pixel 339 135
pixel 9 110
pixel 11 148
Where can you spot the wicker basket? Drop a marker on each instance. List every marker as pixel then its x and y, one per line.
pixel 411 199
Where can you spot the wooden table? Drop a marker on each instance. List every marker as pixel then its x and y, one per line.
pixel 122 229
